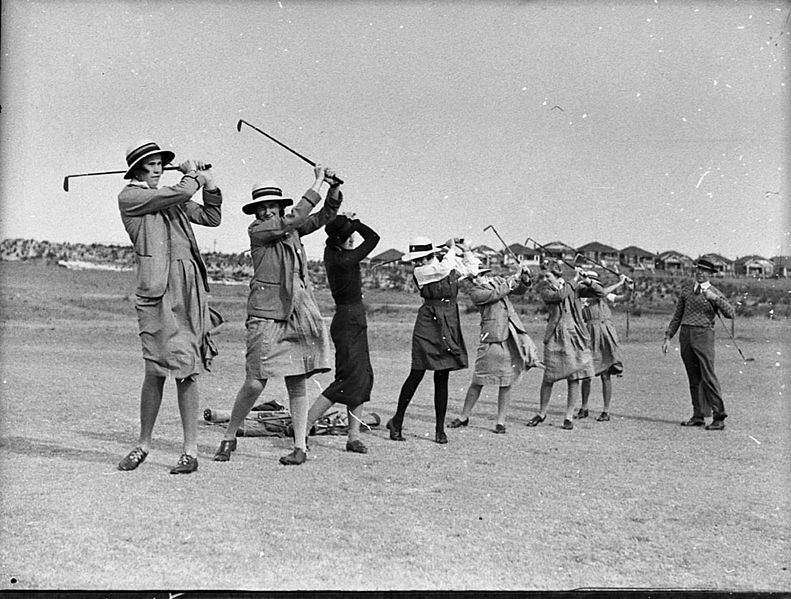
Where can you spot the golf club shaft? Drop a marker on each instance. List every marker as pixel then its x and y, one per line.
pixel 510 251
pixel 572 266
pixel 733 339
pixel 280 143
pixel 599 264
pixel 67 177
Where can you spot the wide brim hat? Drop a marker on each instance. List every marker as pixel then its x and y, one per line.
pixel 268 191
pixel 339 228
pixel 592 274
pixel 552 265
pixel 419 247
pixel 706 265
pixel 142 149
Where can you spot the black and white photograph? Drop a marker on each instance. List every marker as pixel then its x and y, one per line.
pixel 362 296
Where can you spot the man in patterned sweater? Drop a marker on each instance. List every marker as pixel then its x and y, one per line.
pixel 697 307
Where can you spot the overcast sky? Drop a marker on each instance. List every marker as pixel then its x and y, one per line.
pixel 661 124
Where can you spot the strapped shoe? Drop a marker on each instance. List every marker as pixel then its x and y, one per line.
pixel 499 429
pixel 356 446
pixel 567 425
pixel 440 437
pixel 694 422
pixel 135 457
pixel 457 422
pixel 223 453
pixel 603 417
pixel 295 458
pixel 536 420
pixel 395 433
pixel 582 413
pixel 716 425
pixel 186 464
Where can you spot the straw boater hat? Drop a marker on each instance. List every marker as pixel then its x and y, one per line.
pixel 268 191
pixel 591 274
pixel 552 265
pixel 418 248
pixel 141 150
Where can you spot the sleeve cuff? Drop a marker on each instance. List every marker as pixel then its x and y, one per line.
pixel 312 197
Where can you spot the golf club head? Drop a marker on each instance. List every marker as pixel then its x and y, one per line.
pixel 239 125
pixel 65 184
pixel 749 360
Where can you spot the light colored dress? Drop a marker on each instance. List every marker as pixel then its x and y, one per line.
pixel 566 351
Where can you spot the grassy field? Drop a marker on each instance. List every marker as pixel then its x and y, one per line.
pixel 636 502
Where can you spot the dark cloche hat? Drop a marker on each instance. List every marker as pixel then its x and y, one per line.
pixel 339 228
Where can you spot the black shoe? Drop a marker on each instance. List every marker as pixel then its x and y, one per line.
pixel 457 422
pixel 694 422
pixel 356 446
pixel 499 429
pixel 135 457
pixel 536 420
pixel 223 453
pixel 716 425
pixel 295 458
pixel 441 438
pixel 186 464
pixel 603 417
pixel 567 425
pixel 395 433
pixel 582 413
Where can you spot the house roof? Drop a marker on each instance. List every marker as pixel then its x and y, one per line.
pixel 750 258
pixel 484 249
pixel 673 253
pixel 387 255
pixel 633 250
pixel 519 249
pixel 595 246
pixel 717 258
pixel 557 246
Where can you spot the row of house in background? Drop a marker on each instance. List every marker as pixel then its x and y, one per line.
pixel 631 258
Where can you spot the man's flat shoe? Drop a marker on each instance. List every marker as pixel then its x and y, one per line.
pixel 135 457
pixel 457 422
pixel 185 465
pixel 603 417
pixel 499 429
pixel 223 453
pixel 536 420
pixel 567 425
pixel 581 413
pixel 395 433
pixel 716 425
pixel 694 422
pixel 356 446
pixel 441 438
pixel 295 458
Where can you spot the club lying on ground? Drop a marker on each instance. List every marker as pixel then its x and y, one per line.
pixel 510 251
pixel 280 143
pixel 67 177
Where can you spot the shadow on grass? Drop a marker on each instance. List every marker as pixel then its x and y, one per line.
pixel 45 449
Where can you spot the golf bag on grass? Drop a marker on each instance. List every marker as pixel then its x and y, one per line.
pixel 271 419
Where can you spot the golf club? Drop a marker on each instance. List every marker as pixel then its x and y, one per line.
pixel 733 339
pixel 564 261
pixel 510 251
pixel 67 177
pixel 600 265
pixel 280 143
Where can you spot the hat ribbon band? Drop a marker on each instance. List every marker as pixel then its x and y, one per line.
pixel 273 192
pixel 142 151
pixel 419 248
